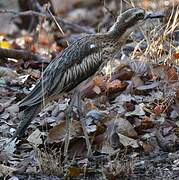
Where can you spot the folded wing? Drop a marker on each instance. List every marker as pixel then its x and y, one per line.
pixel 75 64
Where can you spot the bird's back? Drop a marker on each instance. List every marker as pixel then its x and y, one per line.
pixel 75 64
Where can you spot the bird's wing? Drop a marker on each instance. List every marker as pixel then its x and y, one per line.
pixel 75 64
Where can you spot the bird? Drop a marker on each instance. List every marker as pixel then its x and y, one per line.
pixel 79 61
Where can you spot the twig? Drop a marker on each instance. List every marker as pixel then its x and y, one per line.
pixel 58 25
pixel 65 22
pixel 108 10
pixel 19 54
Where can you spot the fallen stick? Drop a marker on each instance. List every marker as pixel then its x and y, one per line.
pixel 19 54
pixel 64 22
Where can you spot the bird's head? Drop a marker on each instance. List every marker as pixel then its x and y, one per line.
pixel 130 19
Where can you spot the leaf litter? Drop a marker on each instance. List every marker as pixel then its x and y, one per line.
pixel 131 115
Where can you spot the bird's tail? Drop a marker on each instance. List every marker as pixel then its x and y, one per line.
pixel 27 116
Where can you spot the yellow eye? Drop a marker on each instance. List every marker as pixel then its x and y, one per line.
pixel 140 16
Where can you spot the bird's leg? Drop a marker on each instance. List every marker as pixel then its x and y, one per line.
pixel 79 95
pixel 68 123
pixel 75 102
pixel 82 120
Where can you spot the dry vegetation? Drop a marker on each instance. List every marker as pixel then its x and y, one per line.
pixel 130 109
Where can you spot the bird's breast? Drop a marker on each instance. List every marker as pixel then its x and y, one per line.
pixel 110 51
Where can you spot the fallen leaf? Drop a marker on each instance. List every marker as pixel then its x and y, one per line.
pixel 77 147
pixel 5 44
pixel 158 109
pixel 176 55
pixel 96 114
pixel 115 86
pixel 43 38
pixel 35 138
pixel 122 74
pixel 137 112
pixel 124 98
pixel 148 86
pixel 98 80
pixel 58 132
pixel 124 127
pixel 126 141
pixel 28 39
pixel 143 124
pixel 172 74
pixel 147 147
pixel 74 171
pixel 129 106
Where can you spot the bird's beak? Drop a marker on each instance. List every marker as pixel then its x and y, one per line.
pixel 155 15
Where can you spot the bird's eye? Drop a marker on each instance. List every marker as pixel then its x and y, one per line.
pixel 140 16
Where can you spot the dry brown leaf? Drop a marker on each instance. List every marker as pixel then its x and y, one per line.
pixel 115 86
pixel 58 132
pixel 176 55
pixel 99 140
pixel 143 124
pixel 124 127
pixel 147 123
pixel 89 106
pixel 98 80
pixel 158 109
pixel 172 74
pixel 129 106
pixel 122 74
pixel 43 38
pixel 76 171
pixel 147 147
pixel 28 39
pixel 77 147
pixel 34 48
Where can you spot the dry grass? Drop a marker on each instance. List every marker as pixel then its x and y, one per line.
pixel 50 162
pixel 120 166
pixel 158 43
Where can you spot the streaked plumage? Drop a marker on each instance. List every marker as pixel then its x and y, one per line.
pixel 78 62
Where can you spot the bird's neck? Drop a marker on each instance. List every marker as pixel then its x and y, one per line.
pixel 119 32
